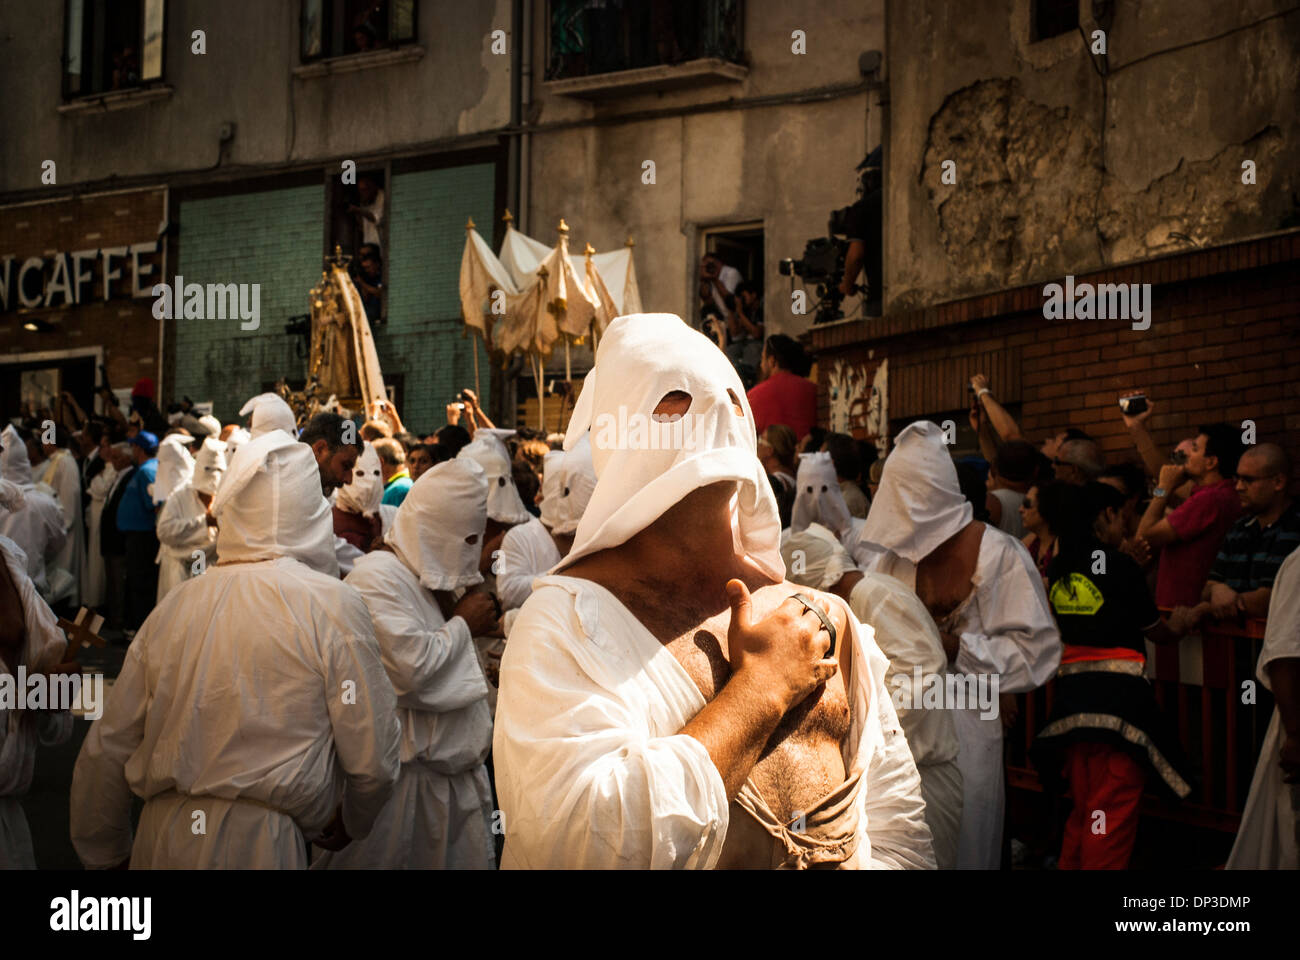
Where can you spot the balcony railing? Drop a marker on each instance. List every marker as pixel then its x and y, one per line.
pixel 588 40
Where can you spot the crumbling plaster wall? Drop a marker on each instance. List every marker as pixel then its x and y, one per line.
pixel 1036 196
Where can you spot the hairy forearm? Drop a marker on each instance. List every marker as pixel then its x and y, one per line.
pixel 1154 514
pixel 1255 602
pixel 734 727
pixel 988 442
pixel 1146 448
pixel 999 419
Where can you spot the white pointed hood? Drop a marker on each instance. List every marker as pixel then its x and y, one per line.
pixel 552 487
pixel 269 505
pixel 641 358
pixel 209 466
pixel 818 498
pixel 364 494
pixel 175 466
pixel 238 437
pixel 15 465
pixel 488 449
pixel 12 497
pixel 919 503
pixel 579 475
pixel 815 558
pixel 269 412
pixel 447 505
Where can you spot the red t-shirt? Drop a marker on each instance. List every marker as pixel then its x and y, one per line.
pixel 1200 523
pixel 784 398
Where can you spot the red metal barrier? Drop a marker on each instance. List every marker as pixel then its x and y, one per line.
pixel 1222 739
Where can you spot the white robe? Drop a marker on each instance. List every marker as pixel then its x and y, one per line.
pixel 593 772
pixel 61 474
pixel 37 528
pixel 22 731
pixel 258 690
pixel 182 529
pixel 907 635
pixel 527 551
pixel 1005 628
pixel 94 575
pixel 440 814
pixel 1269 835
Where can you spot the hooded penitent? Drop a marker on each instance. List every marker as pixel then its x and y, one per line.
pixel 647 466
pixel 175 466
pixel 818 498
pixel 238 437
pixel 488 449
pixel 553 504
pixel 919 504
pixel 209 466
pixel 15 465
pixel 438 530
pixel 364 494
pixel 270 505
pixel 269 412
pixel 579 483
pixel 815 558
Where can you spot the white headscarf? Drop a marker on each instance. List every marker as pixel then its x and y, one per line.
pixel 818 498
pixel 209 466
pixel 269 412
pixel 15 465
pixel 641 358
pixel 238 437
pixel 269 505
pixel 919 504
pixel 579 475
pixel 364 494
pixel 446 505
pixel 175 466
pixel 553 505
pixel 12 497
pixel 815 558
pixel 488 449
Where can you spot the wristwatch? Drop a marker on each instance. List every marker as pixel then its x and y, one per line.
pixel 1159 492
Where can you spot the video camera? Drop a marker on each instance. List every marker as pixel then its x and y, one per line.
pixel 822 267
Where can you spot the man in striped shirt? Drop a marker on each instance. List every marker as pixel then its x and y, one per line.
pixel 1241 579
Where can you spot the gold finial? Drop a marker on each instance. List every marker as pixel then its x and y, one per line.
pixel 543 272
pixel 507 218
pixel 563 227
pixel 589 251
pixel 630 242
pixel 469 224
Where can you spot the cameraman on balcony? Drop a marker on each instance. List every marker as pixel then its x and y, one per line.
pixel 863 231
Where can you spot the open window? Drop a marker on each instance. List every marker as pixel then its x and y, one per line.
pixel 338 28
pixel 112 45
pixel 358 226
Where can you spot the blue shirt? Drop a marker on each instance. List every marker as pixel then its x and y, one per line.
pixel 395 492
pixel 136 511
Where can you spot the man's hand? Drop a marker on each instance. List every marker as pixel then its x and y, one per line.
pixel 453 413
pixel 1138 549
pixel 1225 602
pixel 1140 419
pixel 334 837
pixel 479 610
pixel 1171 477
pixel 785 652
pixel 979 382
pixel 1183 620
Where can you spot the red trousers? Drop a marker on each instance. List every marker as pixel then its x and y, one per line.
pixel 1106 783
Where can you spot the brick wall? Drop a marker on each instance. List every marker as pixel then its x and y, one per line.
pixel 422 339
pixel 270 237
pixel 124 327
pixel 1224 344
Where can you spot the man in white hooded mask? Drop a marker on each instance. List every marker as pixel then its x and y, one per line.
pixel 654 712
pixel 268 411
pixel 984 593
pixel 531 548
pixel 440 815
pixel 30 638
pixel 254 694
pixel 187 529
pixel 908 637
pixel 356 505
pixel 34 522
pixel 505 507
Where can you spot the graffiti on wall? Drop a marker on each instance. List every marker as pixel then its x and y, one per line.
pixel 856 402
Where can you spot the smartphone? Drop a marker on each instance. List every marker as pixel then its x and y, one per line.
pixel 1133 404
pixel 1178 457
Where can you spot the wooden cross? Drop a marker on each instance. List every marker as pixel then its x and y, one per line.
pixel 85 629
